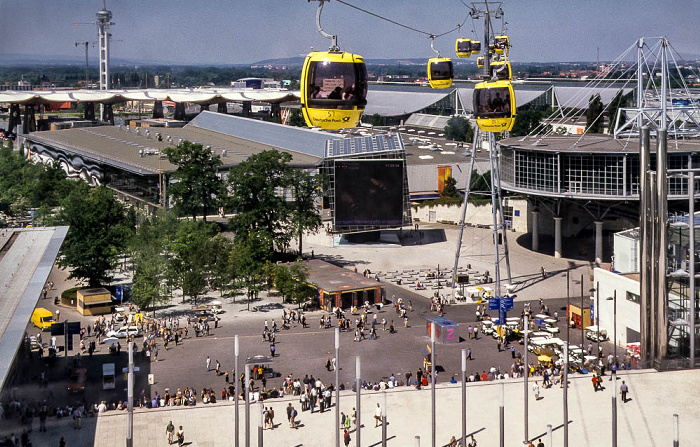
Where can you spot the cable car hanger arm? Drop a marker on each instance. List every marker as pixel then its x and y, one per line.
pixel 334 48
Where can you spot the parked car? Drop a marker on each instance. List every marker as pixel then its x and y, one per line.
pixel 78 380
pixel 124 332
pixel 202 315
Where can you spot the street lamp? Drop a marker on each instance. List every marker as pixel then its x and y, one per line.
pixel 614 300
pixel 591 291
pixel 255 360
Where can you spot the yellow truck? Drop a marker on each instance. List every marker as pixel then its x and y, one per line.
pixel 42 318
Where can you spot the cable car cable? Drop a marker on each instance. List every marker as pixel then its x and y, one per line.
pixel 400 24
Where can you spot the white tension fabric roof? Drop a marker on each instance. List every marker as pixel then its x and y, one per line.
pixel 197 96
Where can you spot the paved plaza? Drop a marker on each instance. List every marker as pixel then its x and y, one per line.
pixel 645 420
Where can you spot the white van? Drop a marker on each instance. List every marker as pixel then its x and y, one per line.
pixel 108 376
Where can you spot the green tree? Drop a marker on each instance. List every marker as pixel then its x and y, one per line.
pixel 306 191
pixel 292 281
pixel 190 250
pixel 256 187
pixel 218 263
pixel 149 250
pixel 529 121
pixel 459 128
pixel 248 259
pixel 450 188
pixel 97 235
pixel 594 114
pixel 376 120
pixel 618 102
pixel 296 119
pixel 198 188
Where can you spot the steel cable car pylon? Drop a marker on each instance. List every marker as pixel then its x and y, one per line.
pixel 333 85
pixel 486 125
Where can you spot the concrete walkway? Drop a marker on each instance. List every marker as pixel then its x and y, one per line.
pixel 645 420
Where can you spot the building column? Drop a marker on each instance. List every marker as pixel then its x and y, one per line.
pixel 158 109
pixel 535 231
pixel 598 242
pixel 557 237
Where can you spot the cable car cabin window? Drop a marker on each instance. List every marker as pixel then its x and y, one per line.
pixel 492 103
pixel 440 71
pixel 464 47
pixel 337 85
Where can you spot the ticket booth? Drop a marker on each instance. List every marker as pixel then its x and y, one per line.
pixel 577 318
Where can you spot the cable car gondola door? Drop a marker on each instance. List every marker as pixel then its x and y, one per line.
pixel 333 89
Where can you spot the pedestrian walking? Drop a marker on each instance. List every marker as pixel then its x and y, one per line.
pixel 377 416
pixel 272 349
pixel 180 436
pixel 469 354
pixel 346 438
pixel 293 418
pixel 623 391
pixel 536 390
pixel 170 432
pixel 208 363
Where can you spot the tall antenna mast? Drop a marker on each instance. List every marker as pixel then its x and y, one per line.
pixel 104 21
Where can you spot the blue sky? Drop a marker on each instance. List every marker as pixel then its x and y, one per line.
pixel 244 31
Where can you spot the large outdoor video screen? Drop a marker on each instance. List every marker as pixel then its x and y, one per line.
pixel 368 192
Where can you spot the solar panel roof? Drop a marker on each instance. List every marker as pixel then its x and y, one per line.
pixel 297 139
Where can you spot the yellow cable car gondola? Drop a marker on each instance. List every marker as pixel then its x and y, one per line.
pixel 501 44
pixel 440 72
pixel 463 47
pixel 480 62
pixel 501 70
pixel 476 47
pixel 333 85
pixel 494 106
pixel 333 89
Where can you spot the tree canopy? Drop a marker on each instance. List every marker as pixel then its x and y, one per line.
pixel 256 186
pixel 594 114
pixel 24 185
pixel 198 188
pixel 459 128
pixel 97 235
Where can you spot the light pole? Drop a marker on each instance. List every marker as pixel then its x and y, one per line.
pixel 566 394
pixel 246 393
pixel 432 377
pixel 675 430
pixel 614 300
pixel 130 396
pixel 236 374
pixel 582 337
pixel 526 369
pixel 338 422
pixel 502 417
pixel 261 424
pixel 597 317
pixel 384 432
pixel 568 306
pixel 464 397
pixel 614 409
pixel 358 386
pixel 591 290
